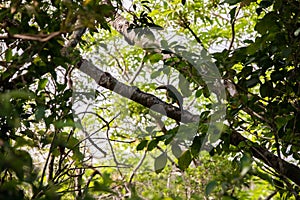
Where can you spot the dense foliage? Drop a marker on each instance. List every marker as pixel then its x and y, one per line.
pixel 120 148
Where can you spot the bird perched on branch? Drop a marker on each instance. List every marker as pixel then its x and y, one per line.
pixel 172 94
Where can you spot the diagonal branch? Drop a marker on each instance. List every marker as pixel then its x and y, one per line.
pixel 133 93
pixel 106 80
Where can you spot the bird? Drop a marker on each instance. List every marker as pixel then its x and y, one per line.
pixel 172 94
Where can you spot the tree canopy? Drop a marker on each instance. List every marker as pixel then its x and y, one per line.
pixel 80 116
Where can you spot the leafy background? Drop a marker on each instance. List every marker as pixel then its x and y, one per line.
pixel 47 153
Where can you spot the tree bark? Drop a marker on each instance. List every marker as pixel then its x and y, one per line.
pixel 106 80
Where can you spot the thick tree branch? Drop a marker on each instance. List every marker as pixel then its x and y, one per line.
pixel 106 80
pixel 288 170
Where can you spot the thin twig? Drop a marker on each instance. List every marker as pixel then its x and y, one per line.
pixel 138 70
pixel 37 37
pixel 89 181
pixel 113 153
pixel 233 28
pixel 137 167
pixel 47 160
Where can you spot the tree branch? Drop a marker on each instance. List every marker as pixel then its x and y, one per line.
pixel 106 80
pixel 37 37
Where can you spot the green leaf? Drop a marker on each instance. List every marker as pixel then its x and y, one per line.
pixel 268 24
pixel 40 113
pixel 185 160
pixel 72 141
pixel 232 14
pixel 166 70
pixel 280 121
pixel 206 92
pixel 168 138
pixel 277 75
pixel 155 74
pixel 20 162
pixel 184 86
pixel 253 81
pixel 64 123
pixel 266 90
pixel 232 2
pixel 77 156
pixel 8 55
pixel 164 44
pixel 210 187
pixel 204 115
pixel 160 162
pixel 154 58
pixel 199 93
pixel 98 186
pixel 265 3
pixel 42 83
pixel 215 134
pixel 142 145
pixel 150 129
pixel 152 144
pixel 196 146
pixel 245 163
pixel 176 150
